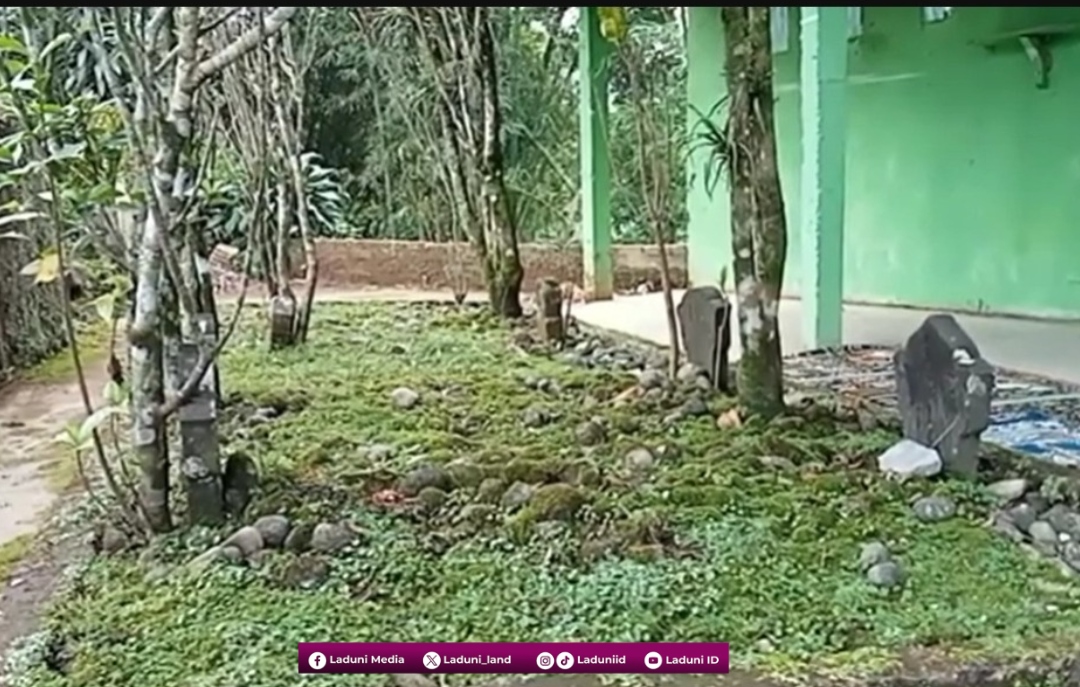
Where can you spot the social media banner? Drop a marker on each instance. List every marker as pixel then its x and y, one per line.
pixel 519 658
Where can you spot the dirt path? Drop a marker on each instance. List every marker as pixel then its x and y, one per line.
pixel 31 415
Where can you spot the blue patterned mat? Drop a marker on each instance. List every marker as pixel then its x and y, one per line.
pixel 1036 432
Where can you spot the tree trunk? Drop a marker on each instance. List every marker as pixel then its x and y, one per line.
pixel 502 259
pixel 147 382
pixel 758 228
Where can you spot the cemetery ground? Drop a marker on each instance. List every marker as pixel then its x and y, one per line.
pixel 431 474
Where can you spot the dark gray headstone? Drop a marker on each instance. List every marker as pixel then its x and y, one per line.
pixel 282 319
pixel 705 322
pixel 944 388
pixel 241 479
pixel 201 460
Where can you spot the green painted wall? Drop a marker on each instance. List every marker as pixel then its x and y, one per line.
pixel 963 178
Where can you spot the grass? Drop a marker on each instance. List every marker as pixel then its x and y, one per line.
pixel 12 552
pixel 712 546
pixel 93 337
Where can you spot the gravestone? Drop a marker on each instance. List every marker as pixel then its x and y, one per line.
pixel 549 305
pixel 705 322
pixel 201 452
pixel 282 317
pixel 944 388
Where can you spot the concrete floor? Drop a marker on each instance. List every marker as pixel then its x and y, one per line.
pixel 1046 348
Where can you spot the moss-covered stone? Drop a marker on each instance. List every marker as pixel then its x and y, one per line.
pixel 582 472
pixel 531 470
pixel 490 490
pixel 432 498
pixel 559 501
pixel 464 474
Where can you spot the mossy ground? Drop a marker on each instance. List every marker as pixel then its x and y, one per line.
pixel 724 549
pixel 12 552
pixel 93 336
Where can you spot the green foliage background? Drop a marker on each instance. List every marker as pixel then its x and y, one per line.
pixel 359 115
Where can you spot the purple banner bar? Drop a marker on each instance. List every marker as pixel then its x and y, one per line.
pixel 519 658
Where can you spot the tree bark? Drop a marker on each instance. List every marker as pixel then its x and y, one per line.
pixel 502 261
pixel 758 227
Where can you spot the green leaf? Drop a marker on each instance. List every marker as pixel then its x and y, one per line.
pixel 20 217
pixel 95 420
pixel 45 269
pixel 31 268
pixel 105 306
pixel 114 394
pixel 14 235
pixel 9 43
pixel 68 151
pixel 53 45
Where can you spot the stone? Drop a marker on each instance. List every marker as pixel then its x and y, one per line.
pixel 652 379
pixel 330 537
pixel 934 508
pixel 557 501
pixel 639 459
pixel 1008 489
pixel 432 498
pixel 535 417
pixel 873 553
pixel 704 314
pixel 689 373
pixel 247 539
pixel 234 555
pixel 299 539
pixel 907 458
pixel 887 574
pixel 210 557
pixel 239 482
pixel 199 443
pixel 1070 553
pixel 944 388
pixel 1043 532
pixel 517 495
pixel 549 318
pixel 274 529
pixel 1024 516
pixel 282 315
pixel 423 476
pixel 1005 526
pixel 490 490
pixel 304 572
pixel 464 474
pixel 260 558
pixel 590 433
pixel 405 398
pixel 378 453
pixel 1063 520
pixel 694 406
pixel 477 513
pixel 113 541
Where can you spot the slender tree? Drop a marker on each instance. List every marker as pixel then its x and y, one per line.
pixel 758 226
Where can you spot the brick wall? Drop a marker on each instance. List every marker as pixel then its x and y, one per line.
pixel 349 262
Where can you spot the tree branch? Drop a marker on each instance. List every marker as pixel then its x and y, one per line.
pixel 244 44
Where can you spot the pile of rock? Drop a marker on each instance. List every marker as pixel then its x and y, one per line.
pixel 252 544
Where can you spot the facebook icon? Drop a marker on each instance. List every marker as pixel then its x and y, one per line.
pixel 317 661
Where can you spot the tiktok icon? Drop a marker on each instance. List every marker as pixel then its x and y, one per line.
pixel 317 660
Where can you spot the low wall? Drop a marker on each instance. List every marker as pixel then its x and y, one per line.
pixel 350 262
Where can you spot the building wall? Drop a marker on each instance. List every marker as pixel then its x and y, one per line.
pixel 376 263
pixel 963 178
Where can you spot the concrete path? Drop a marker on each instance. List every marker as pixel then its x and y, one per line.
pixel 31 415
pixel 1047 348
